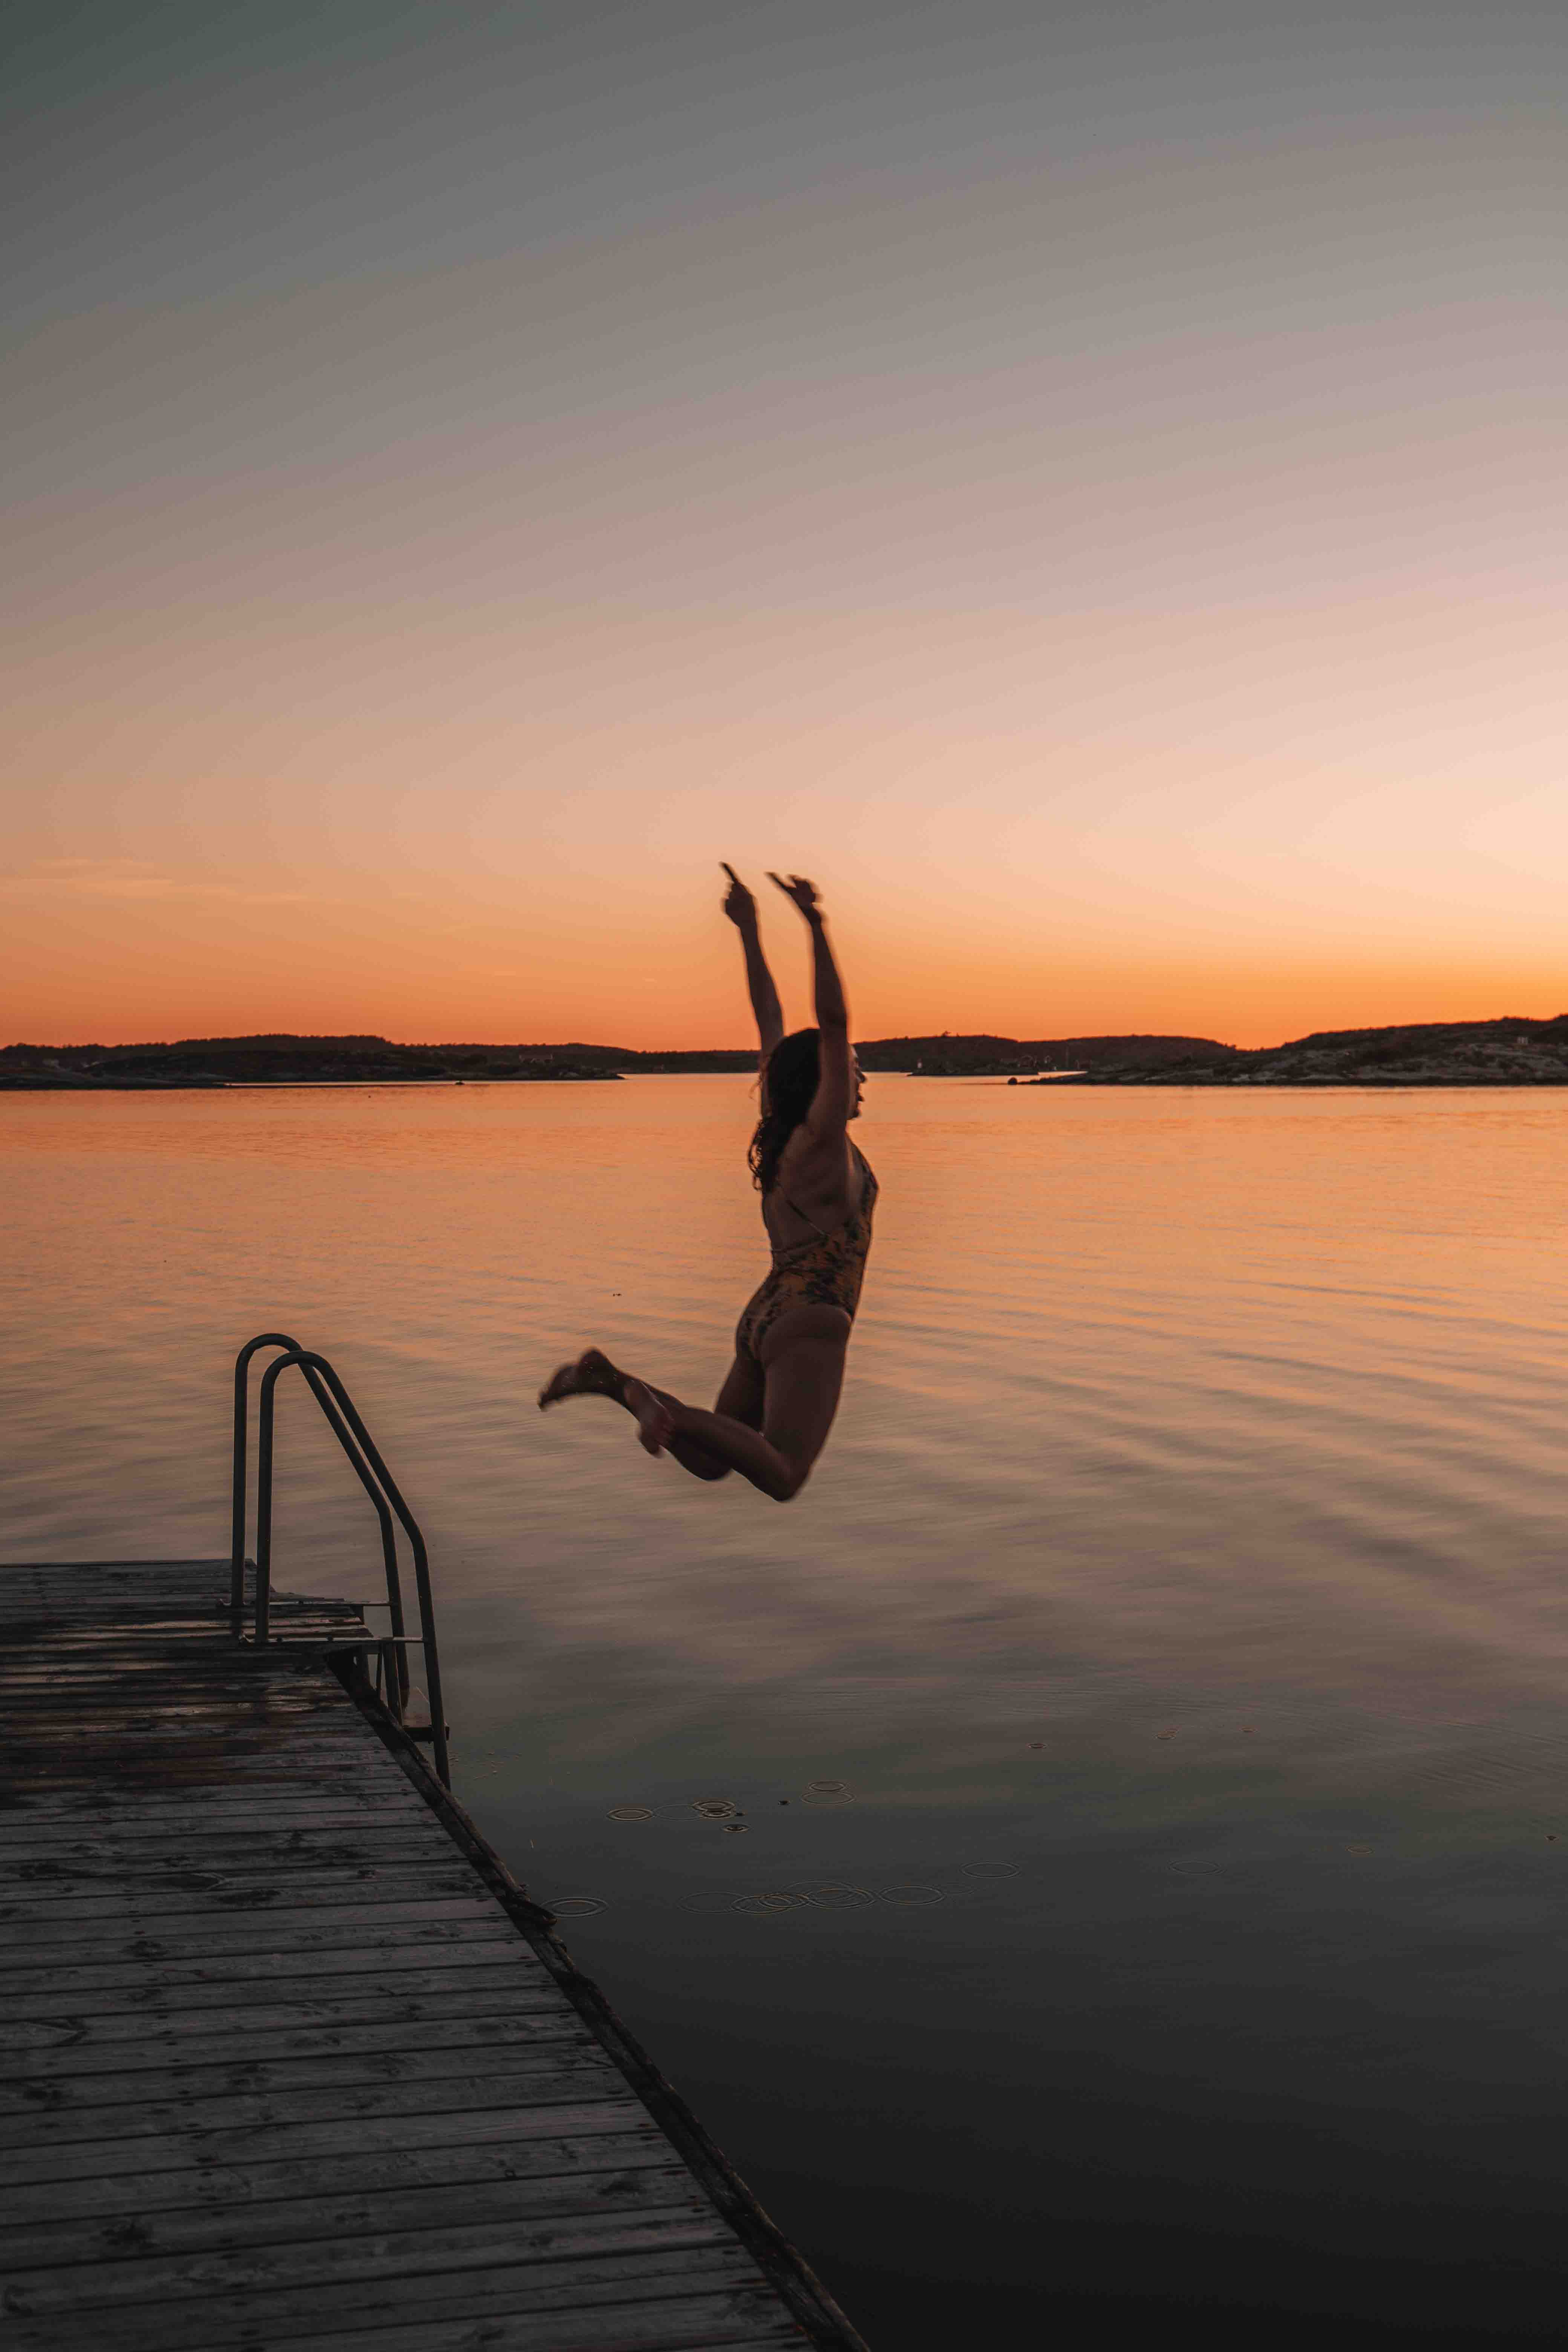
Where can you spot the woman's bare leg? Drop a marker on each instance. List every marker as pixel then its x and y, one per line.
pixel 803 1376
pixel 803 1373
pixel 739 1399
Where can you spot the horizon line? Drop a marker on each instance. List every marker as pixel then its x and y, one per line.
pixel 924 1037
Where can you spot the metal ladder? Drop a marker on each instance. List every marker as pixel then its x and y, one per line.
pixel 343 1419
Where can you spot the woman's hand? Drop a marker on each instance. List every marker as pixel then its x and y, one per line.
pixel 802 892
pixel 739 903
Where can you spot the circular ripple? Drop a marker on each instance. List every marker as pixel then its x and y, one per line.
pixel 912 1898
pixel 991 1870
pixel 631 1813
pixel 769 1904
pixel 828 1792
pixel 713 1809
pixel 839 1898
pixel 578 1906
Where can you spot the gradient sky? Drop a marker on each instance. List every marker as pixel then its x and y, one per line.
pixel 1083 481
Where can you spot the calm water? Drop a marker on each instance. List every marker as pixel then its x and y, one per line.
pixel 1175 1633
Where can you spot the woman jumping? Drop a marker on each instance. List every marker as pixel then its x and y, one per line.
pixel 774 1413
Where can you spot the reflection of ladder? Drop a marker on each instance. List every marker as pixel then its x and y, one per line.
pixel 391 1668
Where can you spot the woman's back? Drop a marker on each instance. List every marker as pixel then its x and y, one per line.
pixel 817 1191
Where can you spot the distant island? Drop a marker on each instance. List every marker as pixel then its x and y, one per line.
pixel 1502 1053
pixel 1509 1052
pixel 284 1060
pixel 1004 1057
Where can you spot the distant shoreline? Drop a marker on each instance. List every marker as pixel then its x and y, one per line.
pixel 1064 1083
pixel 1467 1054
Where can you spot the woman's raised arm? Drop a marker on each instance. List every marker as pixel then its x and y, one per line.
pixel 742 910
pixel 834 1097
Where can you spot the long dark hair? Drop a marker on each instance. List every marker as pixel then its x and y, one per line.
pixel 789 1085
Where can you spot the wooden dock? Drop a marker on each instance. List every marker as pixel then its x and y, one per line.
pixel 290 2057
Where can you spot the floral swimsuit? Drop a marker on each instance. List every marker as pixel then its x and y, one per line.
pixel 826 1272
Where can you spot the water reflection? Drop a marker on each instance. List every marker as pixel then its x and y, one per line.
pixel 1106 1838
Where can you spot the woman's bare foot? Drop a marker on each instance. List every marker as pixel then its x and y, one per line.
pixel 655 1427
pixel 592 1374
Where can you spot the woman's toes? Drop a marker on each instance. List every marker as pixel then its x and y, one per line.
pixel 592 1374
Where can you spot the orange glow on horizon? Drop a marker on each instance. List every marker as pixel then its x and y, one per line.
pixel 241 971
pixel 1096 529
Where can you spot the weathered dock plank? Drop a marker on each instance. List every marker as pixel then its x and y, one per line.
pixel 285 2056
pixel 640 2174
pixel 508 2148
pixel 317 2055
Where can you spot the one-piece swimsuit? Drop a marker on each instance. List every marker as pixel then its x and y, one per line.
pixel 826 1272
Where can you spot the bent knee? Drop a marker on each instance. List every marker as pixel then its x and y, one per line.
pixel 787 1485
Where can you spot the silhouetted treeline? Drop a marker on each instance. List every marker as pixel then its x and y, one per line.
pixel 1503 1053
pixel 1507 1052
pixel 984 1056
pixel 282 1060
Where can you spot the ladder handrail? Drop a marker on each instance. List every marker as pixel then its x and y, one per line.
pixel 340 1431
pixel 343 1419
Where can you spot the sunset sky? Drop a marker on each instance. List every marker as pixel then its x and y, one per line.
pixel 1084 481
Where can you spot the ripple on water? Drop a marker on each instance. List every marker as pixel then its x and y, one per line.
pixel 828 1792
pixel 773 1901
